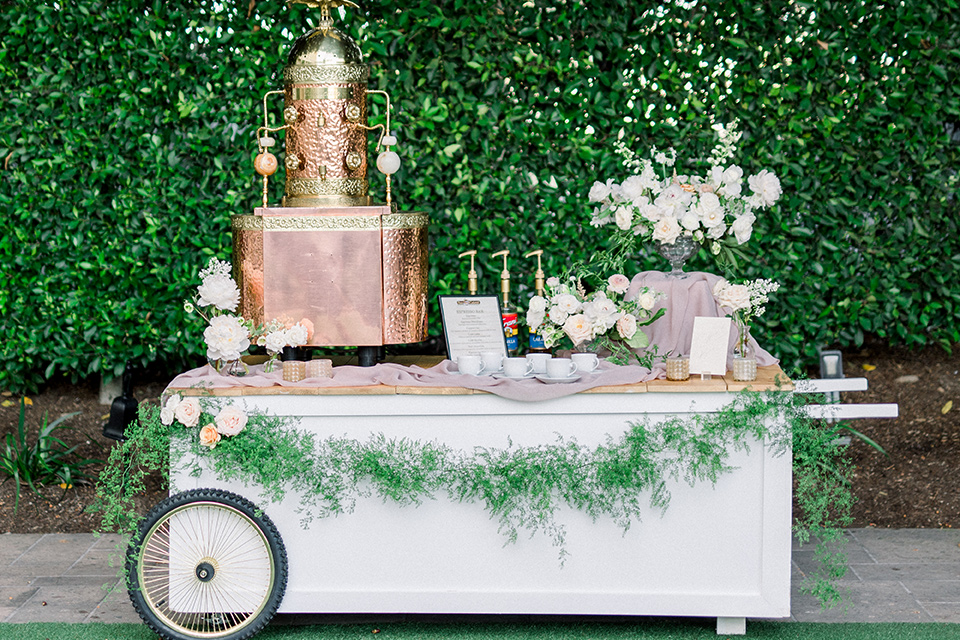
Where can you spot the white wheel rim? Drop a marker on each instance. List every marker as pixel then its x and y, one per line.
pixel 213 535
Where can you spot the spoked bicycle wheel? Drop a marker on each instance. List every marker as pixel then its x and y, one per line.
pixel 206 564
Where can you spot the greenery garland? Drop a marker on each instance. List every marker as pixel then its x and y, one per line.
pixel 522 487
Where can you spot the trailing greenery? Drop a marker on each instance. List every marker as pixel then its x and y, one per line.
pixel 521 487
pixel 48 460
pixel 127 136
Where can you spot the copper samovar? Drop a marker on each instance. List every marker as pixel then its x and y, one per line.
pixel 354 269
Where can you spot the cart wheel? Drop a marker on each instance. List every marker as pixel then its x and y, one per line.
pixel 206 564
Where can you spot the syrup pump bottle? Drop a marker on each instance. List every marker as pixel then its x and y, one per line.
pixel 535 342
pixel 472 275
pixel 508 312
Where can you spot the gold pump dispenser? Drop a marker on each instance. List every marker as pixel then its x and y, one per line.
pixel 508 312
pixel 535 342
pixel 472 275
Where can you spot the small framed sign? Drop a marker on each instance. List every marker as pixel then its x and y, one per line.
pixel 708 348
pixel 472 325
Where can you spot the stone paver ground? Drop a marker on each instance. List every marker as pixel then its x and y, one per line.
pixel 895 575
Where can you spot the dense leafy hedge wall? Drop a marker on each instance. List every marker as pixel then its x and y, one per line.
pixel 128 132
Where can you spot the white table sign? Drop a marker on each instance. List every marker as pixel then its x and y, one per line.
pixel 472 325
pixel 708 348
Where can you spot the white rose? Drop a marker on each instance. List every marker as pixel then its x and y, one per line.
pixel 651 212
pixel 536 312
pixel 603 313
pixel 618 283
pixel 187 412
pixel 674 200
pixel 598 192
pixel 276 341
pixel 766 186
pixel 647 300
pixel 732 175
pixel 624 217
pixel 567 303
pixel 169 407
pixel 666 230
pixel 553 281
pixel 220 291
pixel 690 221
pixel 297 335
pixel 226 337
pixel 557 315
pixel 633 187
pixel 733 296
pixel 742 227
pixel 578 328
pixel 627 326
pixel 716 232
pixel 230 421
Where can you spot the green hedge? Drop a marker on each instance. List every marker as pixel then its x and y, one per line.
pixel 128 133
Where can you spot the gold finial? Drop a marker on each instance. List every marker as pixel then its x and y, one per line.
pixel 326 21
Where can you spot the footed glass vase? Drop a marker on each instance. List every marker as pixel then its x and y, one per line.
pixel 677 254
pixel 744 358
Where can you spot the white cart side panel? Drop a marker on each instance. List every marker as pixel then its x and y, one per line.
pixel 717 551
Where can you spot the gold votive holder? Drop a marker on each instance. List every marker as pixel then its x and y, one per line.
pixel 294 370
pixel 744 369
pixel 678 368
pixel 320 368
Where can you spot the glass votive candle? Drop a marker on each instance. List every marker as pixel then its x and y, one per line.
pixel 320 368
pixel 744 369
pixel 678 368
pixel 294 370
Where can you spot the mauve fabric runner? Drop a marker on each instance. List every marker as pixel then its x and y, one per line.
pixel 686 299
pixel 442 375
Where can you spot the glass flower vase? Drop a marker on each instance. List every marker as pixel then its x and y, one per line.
pixel 745 357
pixel 237 368
pixel 677 254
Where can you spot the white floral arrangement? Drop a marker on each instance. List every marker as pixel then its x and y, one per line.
pixel 228 335
pixel 713 209
pixel 744 302
pixel 601 317
pixel 229 422
pixel 276 335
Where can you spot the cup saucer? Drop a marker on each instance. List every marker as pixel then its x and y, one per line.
pixel 503 376
pixel 542 377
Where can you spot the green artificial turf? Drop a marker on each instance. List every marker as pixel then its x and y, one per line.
pixel 513 628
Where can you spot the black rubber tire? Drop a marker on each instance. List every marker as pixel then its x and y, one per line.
pixel 188 507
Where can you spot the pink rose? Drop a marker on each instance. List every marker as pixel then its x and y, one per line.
pixel 188 412
pixel 627 326
pixel 618 283
pixel 578 328
pixel 209 436
pixel 230 421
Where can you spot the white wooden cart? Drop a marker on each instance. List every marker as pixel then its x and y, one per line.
pixel 718 551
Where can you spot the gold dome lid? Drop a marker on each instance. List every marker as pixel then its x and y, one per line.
pixel 324 47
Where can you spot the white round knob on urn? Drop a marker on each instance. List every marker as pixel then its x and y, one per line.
pixel 388 162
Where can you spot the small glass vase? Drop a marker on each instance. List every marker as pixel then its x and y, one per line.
pixel 235 368
pixel 677 254
pixel 745 357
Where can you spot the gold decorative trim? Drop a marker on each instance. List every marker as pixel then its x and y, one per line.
pixel 246 223
pixel 326 73
pixel 329 201
pixel 322 93
pixel 321 223
pixel 329 187
pixel 405 221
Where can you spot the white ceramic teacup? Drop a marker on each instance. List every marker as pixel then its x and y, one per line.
pixel 492 360
pixel 586 362
pixel 516 367
pixel 469 364
pixel 539 361
pixel 561 368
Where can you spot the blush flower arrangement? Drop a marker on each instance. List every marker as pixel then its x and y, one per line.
pixel 228 422
pixel 595 321
pixel 716 210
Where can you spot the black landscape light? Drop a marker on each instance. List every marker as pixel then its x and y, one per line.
pixel 123 411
